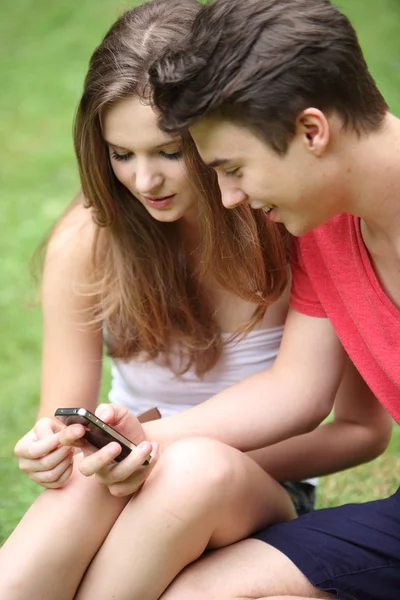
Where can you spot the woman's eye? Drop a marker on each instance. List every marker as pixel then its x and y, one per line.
pixel 121 157
pixel 172 155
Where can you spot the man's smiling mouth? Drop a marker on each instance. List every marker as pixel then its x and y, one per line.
pixel 268 207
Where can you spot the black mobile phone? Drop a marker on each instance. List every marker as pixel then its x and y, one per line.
pixel 97 433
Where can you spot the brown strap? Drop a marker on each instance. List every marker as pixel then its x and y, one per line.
pixel 150 415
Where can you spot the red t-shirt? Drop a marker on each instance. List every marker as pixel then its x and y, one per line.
pixel 333 277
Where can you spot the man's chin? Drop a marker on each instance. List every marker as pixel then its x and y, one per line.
pixel 297 229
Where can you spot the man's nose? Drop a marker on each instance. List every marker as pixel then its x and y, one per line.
pixel 231 195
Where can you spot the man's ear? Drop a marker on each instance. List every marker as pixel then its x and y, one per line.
pixel 312 125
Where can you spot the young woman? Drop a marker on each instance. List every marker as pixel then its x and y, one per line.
pixel 189 299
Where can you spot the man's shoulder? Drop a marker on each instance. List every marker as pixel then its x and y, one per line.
pixel 334 235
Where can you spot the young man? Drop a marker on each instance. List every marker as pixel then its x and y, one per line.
pixel 279 101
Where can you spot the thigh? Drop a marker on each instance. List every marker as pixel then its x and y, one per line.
pixel 247 569
pixel 50 549
pixel 202 493
pixel 352 550
pixel 206 484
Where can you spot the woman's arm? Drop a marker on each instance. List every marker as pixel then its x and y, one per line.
pixel 360 432
pixel 72 351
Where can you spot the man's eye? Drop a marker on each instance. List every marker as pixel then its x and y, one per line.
pixel 121 157
pixel 233 172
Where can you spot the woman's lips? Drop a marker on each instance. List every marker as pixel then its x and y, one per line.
pixel 160 201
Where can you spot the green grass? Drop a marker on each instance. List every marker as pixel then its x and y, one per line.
pixel 44 50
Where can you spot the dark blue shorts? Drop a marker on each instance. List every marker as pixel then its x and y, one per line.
pixel 351 550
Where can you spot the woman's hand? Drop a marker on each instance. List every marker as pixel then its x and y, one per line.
pixel 42 457
pixel 122 478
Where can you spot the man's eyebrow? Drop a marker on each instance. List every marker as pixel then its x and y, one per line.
pixel 218 162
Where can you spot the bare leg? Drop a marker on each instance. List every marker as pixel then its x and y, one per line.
pixel 201 494
pixel 247 570
pixel 50 549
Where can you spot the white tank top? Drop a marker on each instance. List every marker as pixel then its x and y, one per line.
pixel 141 385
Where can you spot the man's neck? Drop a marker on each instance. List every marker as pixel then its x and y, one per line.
pixel 373 166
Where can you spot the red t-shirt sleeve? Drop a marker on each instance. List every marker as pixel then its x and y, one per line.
pixel 303 297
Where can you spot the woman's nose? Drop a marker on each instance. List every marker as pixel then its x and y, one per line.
pixel 147 177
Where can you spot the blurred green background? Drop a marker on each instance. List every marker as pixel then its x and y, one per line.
pixel 44 51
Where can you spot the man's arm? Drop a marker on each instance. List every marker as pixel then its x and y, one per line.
pixel 291 398
pixel 360 431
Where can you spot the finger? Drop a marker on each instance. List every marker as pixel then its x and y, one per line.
pixel 133 483
pixel 99 460
pixel 47 427
pixel 155 453
pixel 72 434
pixel 86 447
pixel 53 475
pixel 25 441
pixel 128 487
pixel 130 465
pixel 106 413
pixel 46 463
pixel 61 480
pixel 65 476
pixel 27 447
pixel 123 420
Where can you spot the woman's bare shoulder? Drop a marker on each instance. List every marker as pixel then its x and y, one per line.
pixel 75 231
pixel 69 251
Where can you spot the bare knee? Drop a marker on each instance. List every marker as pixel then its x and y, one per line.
pixel 199 466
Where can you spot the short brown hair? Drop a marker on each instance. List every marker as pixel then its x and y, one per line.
pixel 260 63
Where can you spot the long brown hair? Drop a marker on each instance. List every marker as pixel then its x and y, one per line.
pixel 148 295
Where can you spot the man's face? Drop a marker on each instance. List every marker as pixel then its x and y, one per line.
pixel 295 189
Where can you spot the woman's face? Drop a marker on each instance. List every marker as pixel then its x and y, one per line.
pixel 148 161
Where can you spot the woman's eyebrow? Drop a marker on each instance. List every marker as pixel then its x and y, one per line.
pixel 162 145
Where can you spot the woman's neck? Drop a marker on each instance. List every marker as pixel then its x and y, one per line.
pixel 190 231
